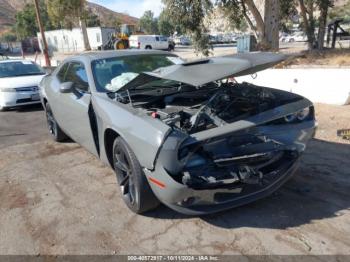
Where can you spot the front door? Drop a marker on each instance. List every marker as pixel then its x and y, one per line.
pixel 73 113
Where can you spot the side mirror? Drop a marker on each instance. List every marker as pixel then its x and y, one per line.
pixel 66 87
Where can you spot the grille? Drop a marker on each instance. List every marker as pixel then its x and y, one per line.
pixel 25 100
pixel 27 89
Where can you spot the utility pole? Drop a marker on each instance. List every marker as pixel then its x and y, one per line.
pixel 40 24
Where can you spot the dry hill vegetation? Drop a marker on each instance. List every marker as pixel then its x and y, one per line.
pixel 8 9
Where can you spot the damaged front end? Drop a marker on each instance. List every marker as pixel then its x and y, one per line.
pixel 230 143
pixel 239 144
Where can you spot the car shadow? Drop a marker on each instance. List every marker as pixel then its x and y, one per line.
pixel 319 190
pixel 27 108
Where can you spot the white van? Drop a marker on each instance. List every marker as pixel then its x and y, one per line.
pixel 149 42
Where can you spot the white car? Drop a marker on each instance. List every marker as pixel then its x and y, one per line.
pixel 157 42
pixel 19 81
pixel 296 37
pixel 182 40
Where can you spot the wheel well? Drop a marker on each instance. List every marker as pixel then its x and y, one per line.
pixel 148 46
pixel 44 102
pixel 109 137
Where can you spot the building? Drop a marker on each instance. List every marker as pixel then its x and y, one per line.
pixel 69 41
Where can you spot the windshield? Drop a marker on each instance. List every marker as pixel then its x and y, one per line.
pixel 20 68
pixel 111 74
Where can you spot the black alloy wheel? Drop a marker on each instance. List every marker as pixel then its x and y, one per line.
pixel 54 129
pixel 125 176
pixel 135 189
pixel 51 123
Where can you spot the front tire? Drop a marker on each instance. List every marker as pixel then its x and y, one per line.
pixel 3 108
pixel 136 192
pixel 56 132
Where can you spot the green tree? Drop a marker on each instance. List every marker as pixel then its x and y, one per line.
pixel 26 24
pixel 91 19
pixel 68 12
pixel 190 13
pixel 149 23
pixel 265 26
pixel 288 14
pixel 307 9
pixel 165 27
pixel 9 37
pixel 189 16
pixel 340 12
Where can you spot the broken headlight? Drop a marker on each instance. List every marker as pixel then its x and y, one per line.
pixel 303 114
pixel 300 115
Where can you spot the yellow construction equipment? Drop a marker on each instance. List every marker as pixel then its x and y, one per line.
pixel 120 40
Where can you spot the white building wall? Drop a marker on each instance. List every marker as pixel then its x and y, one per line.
pixel 70 41
pixel 320 85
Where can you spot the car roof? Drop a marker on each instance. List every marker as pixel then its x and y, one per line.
pixel 94 55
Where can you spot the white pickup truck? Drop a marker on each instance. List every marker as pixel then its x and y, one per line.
pixel 158 42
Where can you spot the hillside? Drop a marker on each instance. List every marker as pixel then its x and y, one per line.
pixel 8 9
pixel 105 15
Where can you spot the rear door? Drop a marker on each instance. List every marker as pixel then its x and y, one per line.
pixel 164 44
pixel 72 109
pixel 133 41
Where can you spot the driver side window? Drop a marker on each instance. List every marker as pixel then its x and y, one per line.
pixel 62 73
pixel 77 74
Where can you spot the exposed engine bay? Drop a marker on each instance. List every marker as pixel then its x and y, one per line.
pixel 213 105
pixel 230 161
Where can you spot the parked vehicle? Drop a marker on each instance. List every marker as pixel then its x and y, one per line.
pixel 182 40
pixel 296 37
pixel 157 42
pixel 213 39
pixel 19 80
pixel 180 133
pixel 229 38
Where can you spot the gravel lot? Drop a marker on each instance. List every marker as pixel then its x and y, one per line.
pixel 59 199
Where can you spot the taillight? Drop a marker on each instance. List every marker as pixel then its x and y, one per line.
pixel 138 45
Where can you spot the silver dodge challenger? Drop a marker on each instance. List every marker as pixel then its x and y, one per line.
pixel 185 134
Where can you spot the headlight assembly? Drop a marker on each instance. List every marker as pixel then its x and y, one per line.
pixel 300 115
pixel 7 89
pixel 290 118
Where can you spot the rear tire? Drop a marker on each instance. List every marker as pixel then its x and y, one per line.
pixel 136 192
pixel 148 47
pixel 56 132
pixel 171 48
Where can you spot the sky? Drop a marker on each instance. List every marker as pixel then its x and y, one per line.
pixel 131 7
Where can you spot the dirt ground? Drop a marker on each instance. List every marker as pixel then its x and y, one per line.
pixel 327 58
pixel 59 199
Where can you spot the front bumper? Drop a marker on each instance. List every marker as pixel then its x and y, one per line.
pixel 197 201
pixel 13 99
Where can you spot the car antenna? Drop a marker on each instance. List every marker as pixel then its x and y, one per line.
pixel 127 90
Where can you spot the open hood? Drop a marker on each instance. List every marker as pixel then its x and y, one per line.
pixel 203 71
